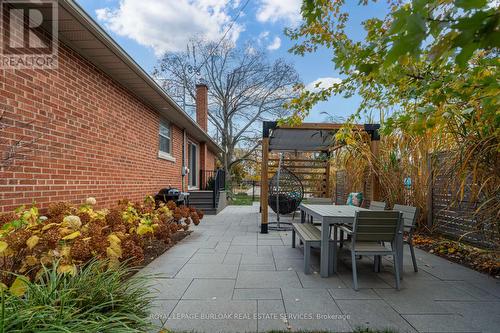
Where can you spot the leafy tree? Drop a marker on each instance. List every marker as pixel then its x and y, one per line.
pixel 429 66
pixel 423 59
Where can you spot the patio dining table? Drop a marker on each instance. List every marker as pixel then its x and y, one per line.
pixel 331 216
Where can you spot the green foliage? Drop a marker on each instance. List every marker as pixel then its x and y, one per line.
pixel 429 67
pixel 94 300
pixel 241 199
pixel 423 59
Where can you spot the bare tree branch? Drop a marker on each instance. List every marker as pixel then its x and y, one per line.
pixel 244 89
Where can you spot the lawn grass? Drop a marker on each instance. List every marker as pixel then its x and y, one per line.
pixel 242 199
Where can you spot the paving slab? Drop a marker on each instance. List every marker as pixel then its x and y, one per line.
pixel 280 252
pixel 257 267
pixel 210 289
pixel 164 267
pixel 160 311
pixel 313 309
pixel 314 280
pixel 214 271
pixel 226 266
pixel 276 241
pixel 440 323
pixel 295 264
pixel 233 259
pixel 349 293
pixel 374 314
pixel 271 315
pixel 250 259
pixel 483 316
pixel 169 289
pixel 207 258
pixel 181 250
pixel 488 284
pixel 365 280
pixel 257 293
pixel 244 240
pixel 243 249
pixel 447 270
pixel 267 279
pixel 213 316
pixel 477 292
pixel 411 302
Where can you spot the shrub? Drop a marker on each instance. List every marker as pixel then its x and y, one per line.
pixel 74 235
pixel 96 299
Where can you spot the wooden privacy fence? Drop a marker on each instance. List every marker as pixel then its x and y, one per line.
pixel 457 215
pixel 343 186
pixel 313 173
pixel 448 213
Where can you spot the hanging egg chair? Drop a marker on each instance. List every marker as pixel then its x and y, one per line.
pixel 285 192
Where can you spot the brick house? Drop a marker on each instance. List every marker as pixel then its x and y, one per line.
pixel 100 125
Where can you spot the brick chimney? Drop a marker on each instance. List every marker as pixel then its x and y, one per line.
pixel 202 106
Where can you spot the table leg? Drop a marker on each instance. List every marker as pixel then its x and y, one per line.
pixel 325 252
pixel 302 216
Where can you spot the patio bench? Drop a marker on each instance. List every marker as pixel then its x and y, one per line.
pixel 310 237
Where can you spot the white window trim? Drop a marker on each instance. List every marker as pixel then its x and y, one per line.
pixel 166 156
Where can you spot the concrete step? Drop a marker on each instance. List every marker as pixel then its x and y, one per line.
pixel 200 194
pixel 209 211
pixel 201 202
pixel 204 206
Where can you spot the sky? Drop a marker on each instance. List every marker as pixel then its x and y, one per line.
pixel 146 29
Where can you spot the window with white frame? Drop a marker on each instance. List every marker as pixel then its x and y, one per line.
pixel 165 138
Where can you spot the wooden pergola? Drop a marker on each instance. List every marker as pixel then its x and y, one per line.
pixel 307 137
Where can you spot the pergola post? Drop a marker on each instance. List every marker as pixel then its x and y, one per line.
pixel 264 178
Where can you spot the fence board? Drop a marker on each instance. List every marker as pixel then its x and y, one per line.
pixel 456 217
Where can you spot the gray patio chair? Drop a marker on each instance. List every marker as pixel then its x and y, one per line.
pixel 374 205
pixel 410 215
pixel 369 229
pixel 377 205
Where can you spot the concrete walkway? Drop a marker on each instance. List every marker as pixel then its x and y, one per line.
pixel 227 277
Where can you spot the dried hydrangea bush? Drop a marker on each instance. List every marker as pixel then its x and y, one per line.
pixel 73 235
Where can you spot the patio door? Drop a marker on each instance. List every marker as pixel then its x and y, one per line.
pixel 193 165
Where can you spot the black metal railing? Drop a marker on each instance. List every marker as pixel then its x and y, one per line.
pixel 213 180
pixel 207 179
pixel 219 184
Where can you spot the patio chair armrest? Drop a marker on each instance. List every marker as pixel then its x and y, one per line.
pixel 345 229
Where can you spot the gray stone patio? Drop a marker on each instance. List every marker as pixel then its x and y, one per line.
pixel 227 277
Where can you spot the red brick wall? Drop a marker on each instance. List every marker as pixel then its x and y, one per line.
pixel 210 160
pixel 95 138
